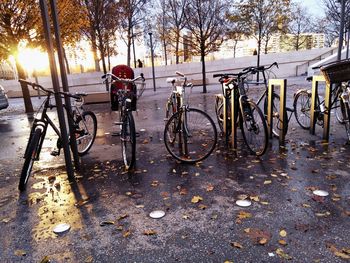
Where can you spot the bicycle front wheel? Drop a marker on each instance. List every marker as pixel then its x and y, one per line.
pixel 128 140
pixel 346 118
pixel 170 109
pixel 254 128
pixel 339 109
pixel 195 135
pixel 86 132
pixel 219 110
pixel 30 156
pixel 302 106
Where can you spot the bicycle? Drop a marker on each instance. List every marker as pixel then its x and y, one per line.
pixel 84 123
pixel 190 134
pixel 250 117
pixel 267 73
pixel 336 72
pixel 125 103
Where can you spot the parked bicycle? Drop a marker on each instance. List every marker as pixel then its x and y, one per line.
pixel 125 103
pixel 339 98
pixel 267 73
pixel 249 118
pixel 190 134
pixel 85 127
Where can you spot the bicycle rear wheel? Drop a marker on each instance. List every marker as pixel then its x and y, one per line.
pixel 128 140
pixel 302 106
pixel 276 121
pixel 219 111
pixel 170 109
pixel 30 156
pixel 86 131
pixel 339 108
pixel 346 118
pixel 195 136
pixel 254 128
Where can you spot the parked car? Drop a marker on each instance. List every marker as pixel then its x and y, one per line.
pixel 4 102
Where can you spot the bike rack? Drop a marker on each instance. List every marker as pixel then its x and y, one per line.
pixel 327 101
pixel 282 83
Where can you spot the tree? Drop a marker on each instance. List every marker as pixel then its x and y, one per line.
pixel 207 25
pixel 163 27
pixel 100 30
pixel 18 20
pixel 132 15
pixel 300 23
pixel 265 17
pixel 177 23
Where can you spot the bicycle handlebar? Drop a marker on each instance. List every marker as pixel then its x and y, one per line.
pixel 115 78
pixel 36 86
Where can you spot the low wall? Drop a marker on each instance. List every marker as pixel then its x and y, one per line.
pixel 92 83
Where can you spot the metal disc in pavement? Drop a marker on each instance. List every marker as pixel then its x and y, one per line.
pixel 61 228
pixel 320 193
pixel 243 203
pixel 157 214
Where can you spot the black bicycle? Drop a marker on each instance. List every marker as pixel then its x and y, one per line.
pixel 125 103
pixel 249 118
pixel 85 127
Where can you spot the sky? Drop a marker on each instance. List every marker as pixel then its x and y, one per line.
pixel 313 6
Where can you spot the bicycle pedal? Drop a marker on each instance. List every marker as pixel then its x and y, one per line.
pixel 55 153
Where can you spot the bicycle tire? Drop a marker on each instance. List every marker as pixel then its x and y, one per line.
pixel 86 132
pixel 169 111
pixel 276 115
pixel 302 106
pixel 128 140
pixel 219 108
pixel 195 136
pixel 254 128
pixel 30 157
pixel 346 118
pixel 339 108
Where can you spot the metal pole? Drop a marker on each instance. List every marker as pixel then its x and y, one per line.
pixel 55 83
pixel 341 32
pixel 347 43
pixel 152 59
pixel 133 46
pixel 73 142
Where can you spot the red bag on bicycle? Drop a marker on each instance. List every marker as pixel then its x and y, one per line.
pixel 124 72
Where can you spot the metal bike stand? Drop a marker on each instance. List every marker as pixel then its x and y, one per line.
pixel 234 112
pixel 225 117
pixel 327 100
pixel 282 83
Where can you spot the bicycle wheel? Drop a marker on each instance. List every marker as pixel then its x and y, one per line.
pixel 86 131
pixel 339 108
pixel 219 111
pixel 346 118
pixel 254 128
pixel 169 111
pixel 195 136
pixel 30 156
pixel 128 140
pixel 302 106
pixel 276 120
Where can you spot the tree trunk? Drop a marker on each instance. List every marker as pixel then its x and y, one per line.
pixel 165 53
pixel 94 52
pixel 177 47
pixel 203 68
pixel 66 60
pixel 234 48
pixel 129 47
pixel 25 92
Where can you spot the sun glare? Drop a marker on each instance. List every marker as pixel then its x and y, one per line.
pixel 33 59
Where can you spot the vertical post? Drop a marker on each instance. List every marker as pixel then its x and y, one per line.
pixel 133 45
pixel 234 114
pixel 327 113
pixel 269 108
pixel 225 115
pixel 341 32
pixel 73 142
pixel 55 83
pixel 282 110
pixel 152 59
pixel 314 95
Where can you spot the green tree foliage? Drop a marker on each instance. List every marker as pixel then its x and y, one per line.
pixel 207 25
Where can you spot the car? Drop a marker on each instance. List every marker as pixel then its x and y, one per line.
pixel 4 102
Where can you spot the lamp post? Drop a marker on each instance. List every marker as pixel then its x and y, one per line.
pixel 152 59
pixel 341 32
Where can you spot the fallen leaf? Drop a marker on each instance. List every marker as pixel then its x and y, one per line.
pixel 263 241
pixel 344 253
pixel 306 205
pixel 196 199
pixel 323 214
pixel 237 245
pixel 126 233
pixel 202 207
pixel 210 188
pixel 149 232
pixel 89 259
pixel 282 254
pixel 105 223
pixel 255 198
pixel 267 182
pixel 283 233
pixel 282 242
pixel 183 191
pixel 20 253
pixel 264 203
pixel 155 183
pixel 122 217
pixel 46 259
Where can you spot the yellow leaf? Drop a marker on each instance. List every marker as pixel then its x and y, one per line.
pixel 283 233
pixel 237 245
pixel 20 253
pixel 202 207
pixel 243 215
pixel 149 232
pixel 263 241
pixel 247 230
pixel 196 199
pixel 282 242
pixel 306 205
pixel 126 233
pixel 282 254
pixel 267 182
pixel 264 203
pixel 255 198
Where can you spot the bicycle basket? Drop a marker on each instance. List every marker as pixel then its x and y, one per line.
pixel 336 72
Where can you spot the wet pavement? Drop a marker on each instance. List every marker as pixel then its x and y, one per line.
pixel 108 209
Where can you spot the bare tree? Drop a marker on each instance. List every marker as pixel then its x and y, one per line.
pixel 132 16
pixel 265 17
pixel 206 22
pixel 18 19
pixel 163 27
